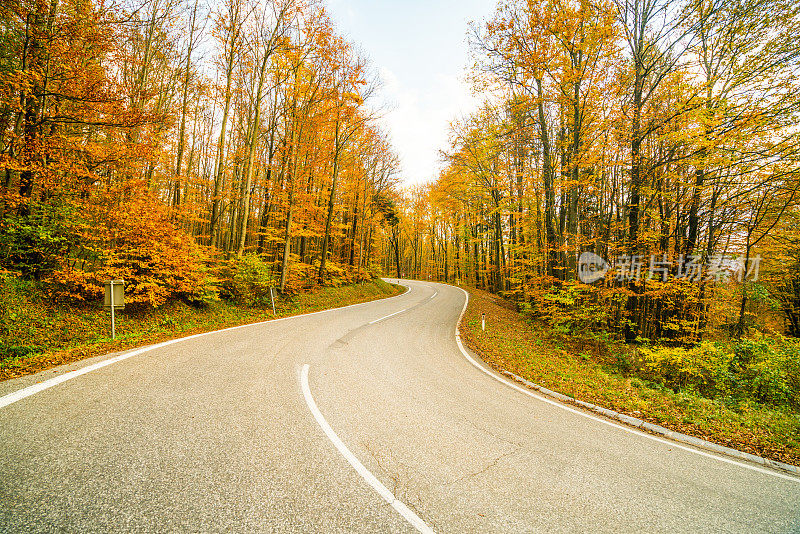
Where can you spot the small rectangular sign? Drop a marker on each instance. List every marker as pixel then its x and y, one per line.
pixel 118 288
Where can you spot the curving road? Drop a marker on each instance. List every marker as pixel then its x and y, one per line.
pixel 389 428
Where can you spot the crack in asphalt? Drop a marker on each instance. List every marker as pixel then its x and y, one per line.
pixel 413 502
pixel 395 478
pixel 491 465
pixel 495 436
pixel 417 506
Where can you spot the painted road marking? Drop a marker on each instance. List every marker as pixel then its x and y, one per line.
pixel 376 484
pixel 387 316
pixel 20 394
pixel 600 419
pixel 399 312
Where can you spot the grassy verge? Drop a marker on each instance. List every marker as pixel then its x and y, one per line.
pixel 37 335
pixel 586 371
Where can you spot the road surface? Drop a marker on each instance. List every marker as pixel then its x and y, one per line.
pixel 369 418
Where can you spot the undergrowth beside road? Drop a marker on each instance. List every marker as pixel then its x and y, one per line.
pixel 600 373
pixel 37 335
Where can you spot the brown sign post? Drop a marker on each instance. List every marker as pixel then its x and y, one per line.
pixel 114 300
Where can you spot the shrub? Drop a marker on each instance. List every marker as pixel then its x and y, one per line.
pixel 11 352
pixel 768 369
pixel 340 274
pixel 300 276
pixel 571 307
pixel 23 312
pixel 246 280
pixel 668 311
pixel 703 368
pixel 761 369
pixel 140 244
pixel 32 244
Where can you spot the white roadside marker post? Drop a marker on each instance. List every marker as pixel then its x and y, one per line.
pixel 272 299
pixel 483 322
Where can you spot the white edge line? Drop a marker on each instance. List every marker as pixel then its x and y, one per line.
pixel 601 420
pixel 20 394
pixel 371 479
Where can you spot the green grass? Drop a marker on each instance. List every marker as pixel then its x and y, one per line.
pixel 591 371
pixel 36 334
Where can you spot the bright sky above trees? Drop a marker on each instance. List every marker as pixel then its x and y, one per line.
pixel 419 47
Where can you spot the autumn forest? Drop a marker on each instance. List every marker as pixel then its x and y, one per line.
pixel 171 145
pixel 659 136
pixel 631 177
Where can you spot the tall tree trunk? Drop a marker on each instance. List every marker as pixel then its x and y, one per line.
pixel 549 191
pixel 331 198
pixel 634 205
pixel 231 44
pixel 30 100
pixel 176 199
pixel 287 241
pixel 354 230
pixel 249 164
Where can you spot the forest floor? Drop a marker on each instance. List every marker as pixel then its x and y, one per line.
pixel 587 370
pixel 37 335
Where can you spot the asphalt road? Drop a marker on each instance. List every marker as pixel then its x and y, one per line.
pixel 218 433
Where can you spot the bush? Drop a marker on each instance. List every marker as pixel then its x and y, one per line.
pixel 300 276
pixel 762 369
pixel 340 274
pixel 573 307
pixel 139 244
pixel 11 352
pixel 769 369
pixel 782 274
pixel 670 311
pixel 247 280
pixel 704 368
pixel 33 244
pixel 23 311
pixel 74 243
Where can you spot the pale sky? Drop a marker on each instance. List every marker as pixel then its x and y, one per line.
pixel 419 48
